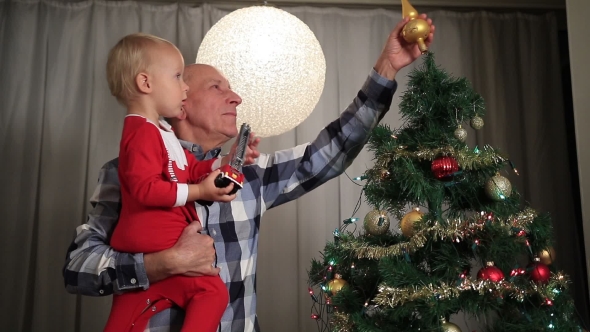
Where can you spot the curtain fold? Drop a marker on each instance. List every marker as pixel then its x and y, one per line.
pixel 59 124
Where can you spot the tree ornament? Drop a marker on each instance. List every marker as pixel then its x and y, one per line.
pixel 376 222
pixel 547 256
pixel 460 134
pixel 407 222
pixel 443 167
pixel 498 187
pixel 383 174
pixel 336 284
pixel 417 29
pixel 476 122
pixel 449 327
pixel 539 272
pixel 490 272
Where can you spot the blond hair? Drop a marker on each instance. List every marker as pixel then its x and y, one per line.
pixel 128 58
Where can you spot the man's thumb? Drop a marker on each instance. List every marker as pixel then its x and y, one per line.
pixel 195 226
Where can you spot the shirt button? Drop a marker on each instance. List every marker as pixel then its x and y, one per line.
pixel 133 281
pixel 101 292
pixel 214 232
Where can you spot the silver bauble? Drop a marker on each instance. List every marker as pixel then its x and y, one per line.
pixel 460 134
pixel 476 122
pixel 498 188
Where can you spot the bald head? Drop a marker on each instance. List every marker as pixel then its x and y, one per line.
pixel 194 70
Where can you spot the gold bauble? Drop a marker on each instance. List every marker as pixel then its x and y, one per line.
pixel 547 256
pixel 336 284
pixel 476 122
pixel 383 174
pixel 460 134
pixel 450 327
pixel 417 29
pixel 407 222
pixel 376 222
pixel 498 188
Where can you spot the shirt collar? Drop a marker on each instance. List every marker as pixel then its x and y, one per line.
pixel 198 152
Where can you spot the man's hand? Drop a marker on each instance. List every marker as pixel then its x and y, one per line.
pixel 251 151
pixel 192 255
pixel 398 53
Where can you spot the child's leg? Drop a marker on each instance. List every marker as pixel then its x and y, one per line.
pixel 131 312
pixel 205 308
pixel 203 297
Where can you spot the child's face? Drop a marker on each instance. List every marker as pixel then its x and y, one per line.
pixel 168 87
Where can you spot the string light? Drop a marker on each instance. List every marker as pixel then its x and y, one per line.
pixel 350 220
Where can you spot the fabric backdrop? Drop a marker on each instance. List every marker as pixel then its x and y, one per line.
pixel 59 124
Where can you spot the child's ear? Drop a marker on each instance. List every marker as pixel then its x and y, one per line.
pixel 143 82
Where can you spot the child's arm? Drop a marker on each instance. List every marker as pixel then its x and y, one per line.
pixel 142 158
pixel 201 173
pixel 207 191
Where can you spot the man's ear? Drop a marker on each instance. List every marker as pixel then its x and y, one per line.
pixel 143 82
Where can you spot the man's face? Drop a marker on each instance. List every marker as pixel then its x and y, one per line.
pixel 211 104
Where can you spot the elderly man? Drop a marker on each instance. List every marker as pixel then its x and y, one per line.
pixel 208 121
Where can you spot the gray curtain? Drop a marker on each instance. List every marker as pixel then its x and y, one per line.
pixel 59 124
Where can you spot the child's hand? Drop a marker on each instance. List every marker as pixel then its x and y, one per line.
pixel 209 192
pixel 251 151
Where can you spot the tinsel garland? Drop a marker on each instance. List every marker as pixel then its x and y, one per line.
pixel 454 230
pixel 397 296
pixel 466 158
pixel 341 322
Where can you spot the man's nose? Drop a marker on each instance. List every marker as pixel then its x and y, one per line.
pixel 234 98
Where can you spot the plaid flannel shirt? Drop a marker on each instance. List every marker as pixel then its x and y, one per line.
pixel 94 268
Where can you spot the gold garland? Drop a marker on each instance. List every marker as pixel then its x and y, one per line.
pixel 466 158
pixel 454 230
pixel 397 296
pixel 341 322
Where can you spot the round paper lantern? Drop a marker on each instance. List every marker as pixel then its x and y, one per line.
pixel 273 61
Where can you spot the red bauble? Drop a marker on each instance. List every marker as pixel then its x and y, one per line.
pixel 539 272
pixel 490 272
pixel 442 167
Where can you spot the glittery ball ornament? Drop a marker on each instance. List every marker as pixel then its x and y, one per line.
pixel 443 167
pixel 476 122
pixel 336 284
pixel 547 256
pixel 273 61
pixel 376 222
pixel 538 272
pixel 498 188
pixel 407 222
pixel 490 272
pixel 460 134
pixel 449 327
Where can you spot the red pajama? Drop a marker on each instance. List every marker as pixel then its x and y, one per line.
pixel 149 222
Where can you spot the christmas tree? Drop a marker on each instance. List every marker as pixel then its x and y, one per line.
pixel 467 243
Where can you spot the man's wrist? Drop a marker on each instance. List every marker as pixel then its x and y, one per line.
pixel 383 67
pixel 160 265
